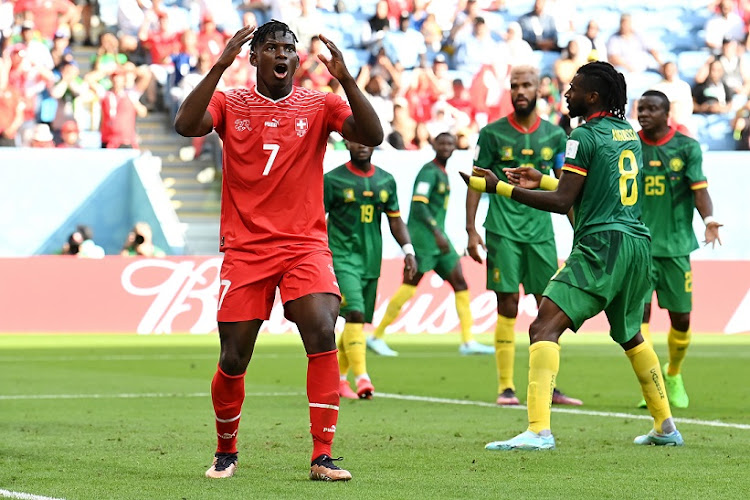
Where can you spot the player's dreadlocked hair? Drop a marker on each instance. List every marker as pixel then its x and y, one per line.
pixel 269 28
pixel 603 78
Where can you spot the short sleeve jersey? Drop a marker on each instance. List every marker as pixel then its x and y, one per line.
pixel 672 171
pixel 431 188
pixel 505 144
pixel 355 202
pixel 607 151
pixel 272 186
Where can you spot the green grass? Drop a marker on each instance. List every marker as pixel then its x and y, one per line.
pixel 157 447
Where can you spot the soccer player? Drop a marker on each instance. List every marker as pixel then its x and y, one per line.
pixel 674 185
pixel 273 230
pixel 433 248
pixel 356 195
pixel 609 267
pixel 520 242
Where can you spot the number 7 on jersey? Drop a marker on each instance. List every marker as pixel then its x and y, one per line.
pixel 274 149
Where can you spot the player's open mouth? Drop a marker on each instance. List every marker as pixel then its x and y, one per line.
pixel 280 71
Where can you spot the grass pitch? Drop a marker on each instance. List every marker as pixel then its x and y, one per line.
pixel 129 417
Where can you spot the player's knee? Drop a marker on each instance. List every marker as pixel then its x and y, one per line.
pixel 355 317
pixel 541 331
pixel 680 321
pixel 507 304
pixel 232 362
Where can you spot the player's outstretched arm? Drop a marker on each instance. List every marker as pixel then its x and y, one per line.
pixel 364 125
pixel 559 201
pixel 706 208
pixel 193 119
pixel 401 233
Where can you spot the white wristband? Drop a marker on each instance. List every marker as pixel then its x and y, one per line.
pixel 408 249
pixel 708 220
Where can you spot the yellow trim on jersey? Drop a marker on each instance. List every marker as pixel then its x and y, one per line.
pixel 575 169
pixel 395 214
pixel 422 199
pixel 699 185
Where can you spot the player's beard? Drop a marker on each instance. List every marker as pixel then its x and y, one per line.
pixel 527 110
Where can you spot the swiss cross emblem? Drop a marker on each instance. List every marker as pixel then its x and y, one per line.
pixel 300 125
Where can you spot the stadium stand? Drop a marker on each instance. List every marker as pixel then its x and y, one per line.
pixel 33 92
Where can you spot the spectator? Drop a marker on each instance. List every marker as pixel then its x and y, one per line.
pixel 433 36
pixel 519 50
pixel 489 91
pixel 66 90
pixel 712 96
pixel 677 91
pixel 446 118
pixel 81 244
pixel 379 25
pixel 472 51
pixel 627 51
pixel 741 127
pixel 42 137
pixel 36 49
pixel 403 124
pixel 108 57
pixel 405 46
pixel 28 78
pixel 308 23
pixel 591 44
pixel 422 138
pixel 736 71
pixel 60 51
pixel 464 22
pixel 140 242
pixel 131 14
pixel 311 66
pixel 460 98
pixel 539 28
pixel 70 135
pixel 119 110
pixel 210 39
pixel 48 15
pixel 11 115
pixel 186 59
pixel 428 85
pixel 379 77
pixel 223 13
pixel 568 64
pixel 724 24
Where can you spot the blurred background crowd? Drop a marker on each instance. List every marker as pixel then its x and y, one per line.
pixel 81 74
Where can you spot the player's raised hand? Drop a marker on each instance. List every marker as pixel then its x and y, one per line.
pixel 234 46
pixel 712 234
pixel 335 64
pixel 527 178
pixel 410 266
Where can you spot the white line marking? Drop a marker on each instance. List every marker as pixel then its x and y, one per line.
pixel 593 413
pixel 403 397
pixel 25 496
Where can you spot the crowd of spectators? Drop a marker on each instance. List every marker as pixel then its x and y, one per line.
pixel 426 65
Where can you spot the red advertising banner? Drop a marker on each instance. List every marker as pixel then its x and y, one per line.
pixel 179 294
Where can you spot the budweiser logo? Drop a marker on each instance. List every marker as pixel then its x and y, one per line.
pixel 189 289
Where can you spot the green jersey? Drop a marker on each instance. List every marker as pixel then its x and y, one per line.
pixel 607 151
pixel 429 203
pixel 672 170
pixel 504 144
pixel 355 202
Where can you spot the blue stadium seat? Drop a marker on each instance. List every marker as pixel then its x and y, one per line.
pixel 714 132
pixel 689 62
pixel 545 61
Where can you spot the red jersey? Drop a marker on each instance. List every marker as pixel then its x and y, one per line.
pixel 46 13
pixel 272 186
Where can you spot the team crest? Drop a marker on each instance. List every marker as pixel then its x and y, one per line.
pixel 300 125
pixel 507 153
pixel 547 153
pixel 441 188
pixel 348 195
pixel 383 195
pixel 676 164
pixel 242 125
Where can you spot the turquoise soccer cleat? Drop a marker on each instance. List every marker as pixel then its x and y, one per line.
pixel 674 438
pixel 527 440
pixel 379 347
pixel 474 347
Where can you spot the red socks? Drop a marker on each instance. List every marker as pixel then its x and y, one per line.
pixel 323 395
pixel 227 394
